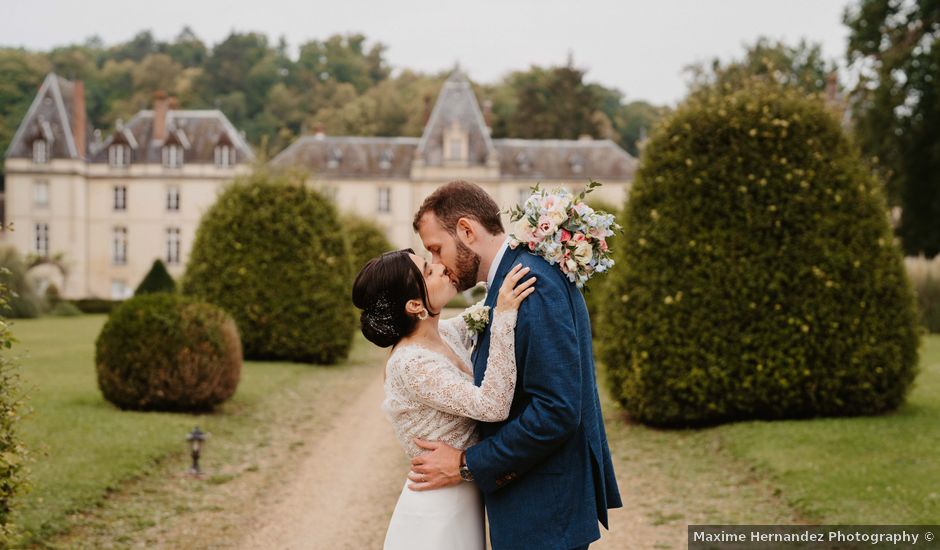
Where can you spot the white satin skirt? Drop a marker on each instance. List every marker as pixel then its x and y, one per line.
pixel 442 519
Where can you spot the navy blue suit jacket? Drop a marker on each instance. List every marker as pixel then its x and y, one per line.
pixel 545 472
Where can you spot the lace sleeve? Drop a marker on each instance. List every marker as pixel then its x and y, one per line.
pixel 433 381
pixel 455 329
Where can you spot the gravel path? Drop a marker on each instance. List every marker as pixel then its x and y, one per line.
pixel 343 492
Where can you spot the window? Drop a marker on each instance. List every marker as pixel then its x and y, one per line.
pixel 41 194
pixel 173 198
pixel 119 289
pixel 385 199
pixel 173 156
pixel 454 149
pixel 173 245
pixel 120 197
pixel 119 155
pixel 41 244
pixel 40 151
pixel 224 156
pixel 119 245
pixel 335 158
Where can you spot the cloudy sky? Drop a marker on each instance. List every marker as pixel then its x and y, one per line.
pixel 640 47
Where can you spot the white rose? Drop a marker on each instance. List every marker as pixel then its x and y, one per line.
pixel 584 252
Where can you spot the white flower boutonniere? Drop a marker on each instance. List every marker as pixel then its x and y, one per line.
pixel 477 317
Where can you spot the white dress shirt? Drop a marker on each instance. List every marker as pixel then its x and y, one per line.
pixel 495 265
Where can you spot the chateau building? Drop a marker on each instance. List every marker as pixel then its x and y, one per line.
pixel 94 212
pixel 386 178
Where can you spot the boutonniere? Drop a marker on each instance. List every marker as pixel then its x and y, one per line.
pixel 564 230
pixel 477 317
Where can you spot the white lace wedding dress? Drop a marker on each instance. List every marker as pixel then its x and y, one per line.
pixel 429 397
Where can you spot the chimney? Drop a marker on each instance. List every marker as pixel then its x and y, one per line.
pixel 79 118
pixel 319 130
pixel 488 114
pixel 160 107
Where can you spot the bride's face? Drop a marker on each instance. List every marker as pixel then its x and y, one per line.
pixel 440 286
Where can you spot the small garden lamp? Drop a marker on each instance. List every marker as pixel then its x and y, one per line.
pixel 196 439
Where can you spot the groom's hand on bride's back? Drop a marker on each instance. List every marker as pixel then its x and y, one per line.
pixel 435 470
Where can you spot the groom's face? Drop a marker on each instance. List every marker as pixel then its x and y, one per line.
pixel 462 263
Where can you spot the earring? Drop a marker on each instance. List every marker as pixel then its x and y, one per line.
pixel 423 315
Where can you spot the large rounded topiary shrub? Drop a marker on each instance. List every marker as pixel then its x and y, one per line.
pixel 166 352
pixel 366 241
pixel 273 254
pixel 757 276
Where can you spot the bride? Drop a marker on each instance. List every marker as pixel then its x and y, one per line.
pixel 429 389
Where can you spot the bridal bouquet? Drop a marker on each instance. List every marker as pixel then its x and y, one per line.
pixel 564 230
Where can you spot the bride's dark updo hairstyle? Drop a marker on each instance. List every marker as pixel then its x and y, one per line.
pixel 381 290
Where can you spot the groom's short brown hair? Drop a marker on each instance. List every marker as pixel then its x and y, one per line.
pixel 461 199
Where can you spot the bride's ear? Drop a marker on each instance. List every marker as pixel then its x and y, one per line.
pixel 414 307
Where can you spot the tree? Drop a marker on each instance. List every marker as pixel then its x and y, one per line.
pixel 895 48
pixel 802 66
pixel 552 104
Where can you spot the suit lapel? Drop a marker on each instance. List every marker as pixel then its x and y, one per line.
pixel 480 356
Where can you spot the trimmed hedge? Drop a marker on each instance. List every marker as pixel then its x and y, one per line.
pixel 274 255
pixel 13 454
pixel 96 305
pixel 169 353
pixel 366 241
pixel 158 279
pixel 758 277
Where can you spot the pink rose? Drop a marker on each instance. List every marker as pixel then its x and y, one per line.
pixel 603 245
pixel 545 227
pixel 577 238
pixel 565 235
pixel 532 245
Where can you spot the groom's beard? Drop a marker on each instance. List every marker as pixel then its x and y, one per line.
pixel 468 265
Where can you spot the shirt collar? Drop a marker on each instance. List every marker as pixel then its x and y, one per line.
pixel 495 265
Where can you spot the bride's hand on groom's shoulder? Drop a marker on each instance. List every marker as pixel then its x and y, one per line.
pixel 510 295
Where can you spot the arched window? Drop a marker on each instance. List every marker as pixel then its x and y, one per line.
pixel 173 156
pixel 119 155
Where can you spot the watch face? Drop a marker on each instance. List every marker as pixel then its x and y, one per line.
pixel 465 474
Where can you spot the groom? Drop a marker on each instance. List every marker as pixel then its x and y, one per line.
pixel 545 472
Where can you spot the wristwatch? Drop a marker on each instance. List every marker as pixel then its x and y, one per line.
pixel 464 471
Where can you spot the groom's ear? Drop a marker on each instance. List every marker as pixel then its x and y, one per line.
pixel 466 232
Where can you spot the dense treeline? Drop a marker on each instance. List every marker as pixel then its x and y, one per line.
pixel 343 84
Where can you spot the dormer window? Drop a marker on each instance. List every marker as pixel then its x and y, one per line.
pixel 523 163
pixel 119 155
pixel 335 158
pixel 577 164
pixel 40 151
pixel 224 156
pixel 385 161
pixel 456 147
pixel 172 156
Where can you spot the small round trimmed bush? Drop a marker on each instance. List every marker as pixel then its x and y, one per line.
pixel 274 255
pixel 757 276
pixel 169 353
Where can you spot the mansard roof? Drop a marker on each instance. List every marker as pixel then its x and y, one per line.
pixel 351 156
pixel 198 131
pixel 456 104
pixel 49 117
pixel 562 159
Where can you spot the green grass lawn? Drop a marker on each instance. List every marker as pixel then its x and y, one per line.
pixel 863 470
pixel 84 448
